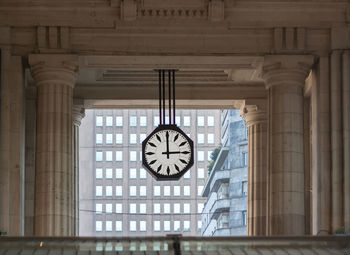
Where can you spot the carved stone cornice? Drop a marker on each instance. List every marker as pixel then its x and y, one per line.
pixel 286 69
pixel 254 112
pixel 48 69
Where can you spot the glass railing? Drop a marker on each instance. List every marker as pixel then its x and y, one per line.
pixel 176 245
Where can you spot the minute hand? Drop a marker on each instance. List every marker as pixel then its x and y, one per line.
pixel 167 145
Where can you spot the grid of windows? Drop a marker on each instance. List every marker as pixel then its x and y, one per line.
pixel 114 172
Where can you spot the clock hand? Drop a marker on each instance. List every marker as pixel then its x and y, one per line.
pixel 167 145
pixel 176 152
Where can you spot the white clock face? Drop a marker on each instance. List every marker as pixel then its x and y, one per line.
pixel 168 152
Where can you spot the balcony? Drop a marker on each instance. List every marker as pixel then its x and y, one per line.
pixel 222 232
pixel 221 205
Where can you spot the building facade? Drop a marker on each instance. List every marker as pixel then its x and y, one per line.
pixel 118 197
pixel 225 211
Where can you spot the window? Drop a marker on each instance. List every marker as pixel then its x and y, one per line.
pixel 118 138
pixel 99 156
pixel 133 155
pixel 177 208
pixel 98 191
pixel 200 139
pixel 200 121
pixel 132 173
pixel 156 225
pixel 156 120
pixel 98 208
pixel 109 138
pixel 118 226
pixel 133 121
pixel 178 120
pixel 133 138
pixel 132 225
pixel 98 226
pixel 200 207
pixel 223 221
pixel 109 208
pixel 119 191
pixel 140 158
pixel 156 208
pixel 119 121
pixel 118 208
pixel 132 191
pixel 210 121
pixel 166 208
pixel 223 191
pixel 142 137
pixel 200 155
pixel 177 226
pixel 177 191
pixel 143 121
pixel 187 207
pixel 143 225
pixel 156 191
pixel 109 121
pixel 187 121
pixel 109 173
pixel 143 208
pixel 199 225
pixel 167 225
pixel 99 173
pixel 109 156
pixel 187 225
pixel 166 191
pixel 200 173
pixel 143 191
pixel 143 174
pixel 187 175
pixel 99 138
pixel 119 156
pixel 119 173
pixel 245 188
pixel 189 135
pixel 99 121
pixel 210 138
pixel 209 155
pixel 199 190
pixel 132 208
pixel 109 191
pixel 245 158
pixel 187 190
pixel 244 218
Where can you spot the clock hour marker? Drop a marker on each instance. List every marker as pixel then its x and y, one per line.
pixel 152 144
pixel 149 153
pixel 183 161
pixel 159 168
pixel 158 138
pixel 177 168
pixel 168 170
pixel 182 144
pixel 152 162
pixel 185 152
pixel 175 138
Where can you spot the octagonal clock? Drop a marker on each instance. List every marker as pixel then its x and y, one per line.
pixel 167 153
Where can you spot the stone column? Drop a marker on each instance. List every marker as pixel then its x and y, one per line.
pixel 54 76
pixel 285 77
pixel 11 145
pixel 255 117
pixel 78 115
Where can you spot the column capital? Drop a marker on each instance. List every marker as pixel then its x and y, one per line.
pixel 51 68
pixel 254 112
pixel 286 69
pixel 78 113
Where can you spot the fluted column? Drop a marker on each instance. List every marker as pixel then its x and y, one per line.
pixel 255 117
pixel 54 76
pixel 285 77
pixel 78 115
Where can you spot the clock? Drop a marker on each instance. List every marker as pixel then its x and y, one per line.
pixel 167 153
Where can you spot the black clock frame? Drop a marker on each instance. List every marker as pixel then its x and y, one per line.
pixel 160 177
